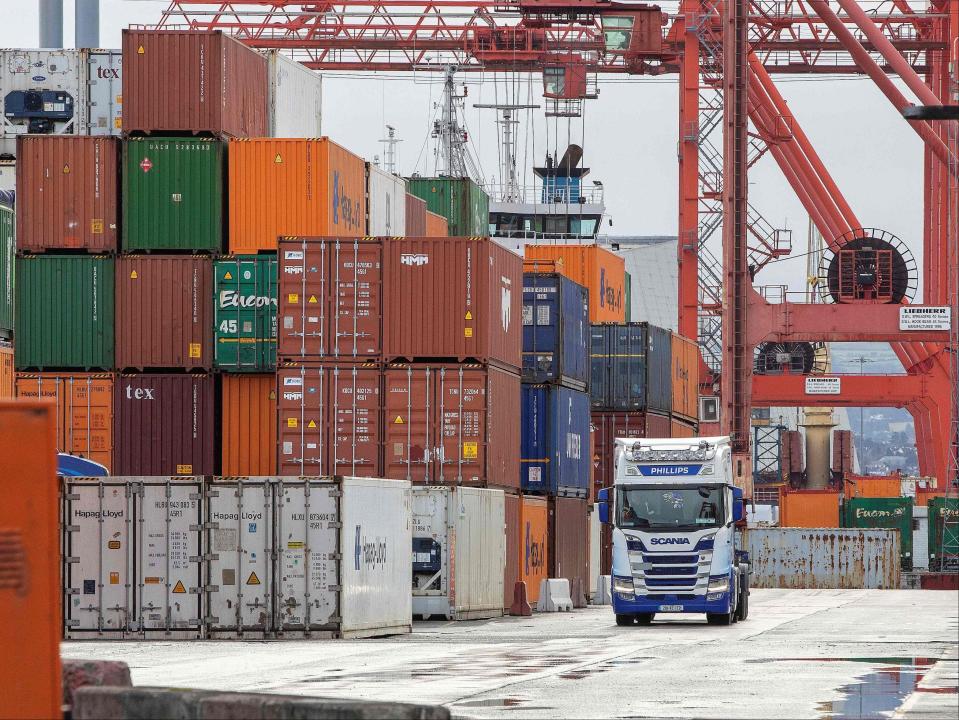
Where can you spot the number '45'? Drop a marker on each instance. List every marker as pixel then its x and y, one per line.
pixel 228 326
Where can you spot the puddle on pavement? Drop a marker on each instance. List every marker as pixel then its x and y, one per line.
pixel 507 702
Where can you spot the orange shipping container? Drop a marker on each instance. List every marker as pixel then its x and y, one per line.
pixel 249 425
pixel 533 546
pixel 544 266
pixel 872 486
pixel 923 496
pixel 436 225
pixel 6 371
pixel 685 377
pixel 809 508
pixel 681 429
pixel 84 410
pixel 292 187
pixel 600 270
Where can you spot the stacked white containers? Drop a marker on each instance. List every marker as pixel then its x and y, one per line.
pixel 385 203
pixel 459 550
pixel 296 98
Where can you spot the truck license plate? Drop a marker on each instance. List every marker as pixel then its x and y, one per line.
pixel 670 608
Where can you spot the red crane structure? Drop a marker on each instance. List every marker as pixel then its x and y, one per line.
pixel 725 53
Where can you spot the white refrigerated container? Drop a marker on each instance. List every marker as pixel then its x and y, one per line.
pixel 385 202
pixel 104 109
pixel 296 98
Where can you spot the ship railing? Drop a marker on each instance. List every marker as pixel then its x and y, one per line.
pixel 585 195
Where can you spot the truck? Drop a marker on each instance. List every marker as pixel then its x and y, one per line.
pixel 674 511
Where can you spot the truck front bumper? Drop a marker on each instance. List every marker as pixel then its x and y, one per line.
pixel 718 603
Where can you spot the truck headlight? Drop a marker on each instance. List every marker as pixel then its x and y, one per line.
pixel 718 585
pixel 623 587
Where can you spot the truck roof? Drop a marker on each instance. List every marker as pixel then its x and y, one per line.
pixel 717 441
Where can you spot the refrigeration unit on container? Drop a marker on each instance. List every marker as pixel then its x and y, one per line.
pixel 244 314
pixel 631 368
pixel 173 193
pixel 611 425
pixel 330 299
pixel 415 216
pixel 533 556
pixel 330 420
pixel 461 201
pixel 67 193
pixel 447 423
pixel 64 312
pixel 600 271
pixel 293 187
pixel 385 203
pixel 164 318
pixel 555 330
pixel 459 551
pixel 554 449
pixel 436 225
pixel 104 115
pixel 199 82
pixel 248 424
pixel 7 372
pixel 569 545
pixel 84 410
pixel 164 424
pixel 454 298
pixel 296 98
pixel 685 378
pixel 892 513
pixel 7 251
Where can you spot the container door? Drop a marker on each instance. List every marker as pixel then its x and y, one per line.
pixel 460 408
pixel 355 421
pixel 569 438
pixel 356 299
pixel 574 334
pixel 409 423
pixel 88 423
pixel 599 367
pixel 628 362
pixel 536 423
pixel 245 313
pixel 105 93
pixel 431 541
pixel 302 410
pixel 542 354
pixel 304 289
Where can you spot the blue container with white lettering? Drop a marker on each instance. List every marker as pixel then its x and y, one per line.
pixel 555 330
pixel 554 447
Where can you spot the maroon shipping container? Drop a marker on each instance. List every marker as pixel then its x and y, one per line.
pixel 514 534
pixel 164 425
pixel 612 425
pixel 164 312
pixel 454 298
pixel 568 552
pixel 793 461
pixel 330 299
pixel 195 82
pixel 452 424
pixel 415 216
pixel 66 193
pixel 842 451
pixel 330 419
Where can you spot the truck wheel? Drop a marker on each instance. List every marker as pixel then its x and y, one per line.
pixel 624 620
pixel 645 618
pixel 720 618
pixel 742 611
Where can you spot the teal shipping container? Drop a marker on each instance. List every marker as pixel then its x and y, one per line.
pixel 245 313
pixel 943 534
pixel 461 201
pixel 891 513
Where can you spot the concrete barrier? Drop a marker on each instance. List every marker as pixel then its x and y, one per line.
pixel 554 596
pixel 603 594
pixel 81 673
pixel 520 606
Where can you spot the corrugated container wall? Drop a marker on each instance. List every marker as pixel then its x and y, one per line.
pixel 555 330
pixel 631 367
pixel 628 283
pixel 164 318
pixel 385 203
pixel 554 457
pixel 612 425
pixel 599 270
pixel 7 250
pixel 513 541
pixel 67 193
pixel 7 383
pixel 436 225
pixel 64 312
pixel 943 533
pixel 296 98
pixel 569 545
pixel 456 298
pixel 290 187
pixel 809 508
pixel 248 424
pixel 685 377
pixel 842 451
pixel 164 425
pixel 533 544
pixel 193 81
pixel 681 429
pixel 173 193
pixel 872 486
pixel 460 200
pixel 892 513
pixel 244 313
pixel 415 216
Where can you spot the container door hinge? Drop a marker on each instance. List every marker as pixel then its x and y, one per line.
pixel 196 528
pixel 210 526
pixel 71 623
pixel 211 588
pixel 196 496
pixel 196 558
pixel 210 620
pixel 334 525
pixel 333 588
pixel 335 493
pixel 71 528
pixel 211 556
pixel 72 497
pixel 336 556
pixel 71 559
pixel 71 591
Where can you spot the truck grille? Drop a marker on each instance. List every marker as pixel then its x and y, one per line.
pixel 670 573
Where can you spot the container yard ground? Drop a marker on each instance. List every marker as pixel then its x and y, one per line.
pixel 819 654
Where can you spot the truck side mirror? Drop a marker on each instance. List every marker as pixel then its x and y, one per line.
pixel 603 498
pixel 739 505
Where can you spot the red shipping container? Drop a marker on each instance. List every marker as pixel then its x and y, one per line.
pixel 66 193
pixel 842 451
pixel 455 298
pixel 569 544
pixel 330 299
pixel 452 424
pixel 330 419
pixel 164 312
pixel 193 81
pixel 164 425
pixel 612 425
pixel 415 216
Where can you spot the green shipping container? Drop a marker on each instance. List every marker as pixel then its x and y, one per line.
pixel 629 298
pixel 461 201
pixel 64 312
pixel 943 534
pixel 7 245
pixel 245 313
pixel 173 192
pixel 892 513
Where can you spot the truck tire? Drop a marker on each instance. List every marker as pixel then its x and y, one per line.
pixel 625 620
pixel 742 610
pixel 720 618
pixel 645 618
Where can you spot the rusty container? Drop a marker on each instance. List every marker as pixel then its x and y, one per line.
pixel 842 452
pixel 533 544
pixel 330 299
pixel 164 424
pixel 448 423
pixel 84 410
pixel 293 187
pixel 872 486
pixel 809 508
pixel 416 218
pixel 164 312
pixel 6 371
pixel 568 552
pixel 513 534
pixel 330 419
pixel 601 271
pixel 248 424
pixel 611 425
pixel 198 82
pixel 67 193
pixel 685 377
pixel 452 298
pixel 436 225
pixel 679 428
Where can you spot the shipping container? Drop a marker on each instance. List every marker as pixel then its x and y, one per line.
pixel 595 552
pixel 193 82
pixel 7 249
pixel 164 318
pixel 630 367
pixel 461 201
pixel 415 216
pixel 943 534
pixel 436 225
pixel 455 298
pixel 842 452
pixel 165 425
pixel 612 425
pixel 513 533
pixel 173 193
pixel 8 178
pixel 890 513
pixel 685 377
pixel 330 419
pixel 248 424
pixel 296 98
pixel 628 303
pixel 7 381
pixel 809 508
pixel 925 496
pixel 555 330
pixel 554 427
pixel 84 410
pixel 244 314
pixel 679 428
pixel 385 203
pixel 534 265
pixel 105 92
pixel 568 551
pixel 533 544
pixel 459 551
pixel 872 486
pixel 920 537
pixel 67 193
pixel 452 424
pixel 598 270
pixel 793 461
pixel 823 558
pixel 313 187
pixel 64 312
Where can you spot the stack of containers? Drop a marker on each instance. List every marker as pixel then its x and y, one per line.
pixel 460 202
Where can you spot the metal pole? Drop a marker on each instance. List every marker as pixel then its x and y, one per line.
pixel 51 23
pixel 87 24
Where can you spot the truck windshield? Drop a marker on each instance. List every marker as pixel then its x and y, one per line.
pixel 670 507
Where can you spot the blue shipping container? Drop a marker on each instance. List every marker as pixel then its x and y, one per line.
pixel 555 330
pixel 631 368
pixel 555 441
